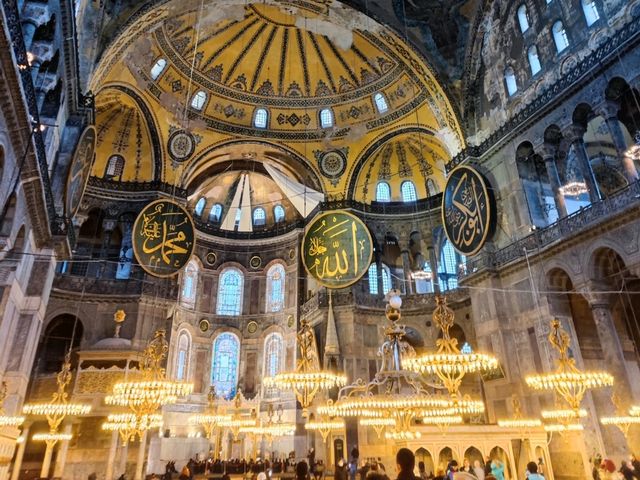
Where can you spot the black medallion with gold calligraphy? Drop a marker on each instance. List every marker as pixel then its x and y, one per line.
pixel 163 238
pixel 468 210
pixel 336 249
pixel 80 170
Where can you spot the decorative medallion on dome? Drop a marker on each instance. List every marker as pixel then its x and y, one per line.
pixel 163 238
pixel 468 210
pixel 333 163
pixel 80 170
pixel 211 258
pixel 204 325
pixel 255 262
pixel 336 249
pixel 181 145
pixel 252 327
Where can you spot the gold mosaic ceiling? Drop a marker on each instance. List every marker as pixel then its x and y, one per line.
pixel 291 58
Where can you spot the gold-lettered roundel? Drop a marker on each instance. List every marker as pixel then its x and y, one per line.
pixel 163 238
pixel 80 170
pixel 468 210
pixel 336 249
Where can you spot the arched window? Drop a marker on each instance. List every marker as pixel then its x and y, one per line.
pixel 510 81
pixel 224 364
pixel 230 290
pixel 189 284
pixel 238 217
pixel 386 279
pixel 373 279
pixel 326 118
pixel 273 357
pixel 199 208
pixel 449 266
pixel 560 36
pixel 534 60
pixel 275 288
pixel 198 100
pixel 115 167
pixel 215 215
pixel 381 102
pixel 261 118
pixel 523 18
pixel 424 279
pixel 590 9
pixel 408 190
pixel 182 357
pixel 259 216
pixel 278 213
pixel 158 68
pixel 383 192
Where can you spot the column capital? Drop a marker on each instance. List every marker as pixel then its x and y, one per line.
pixel 547 151
pixel 608 109
pixel 109 224
pixel 574 132
pixel 594 294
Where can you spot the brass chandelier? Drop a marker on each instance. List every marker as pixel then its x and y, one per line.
pixel 238 420
pixel 567 381
pixel 129 425
pixel 307 379
pixel 212 420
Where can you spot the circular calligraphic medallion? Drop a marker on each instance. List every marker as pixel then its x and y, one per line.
pixel 290 321
pixel 163 238
pixel 336 249
pixel 80 170
pixel 252 327
pixel 181 145
pixel 332 164
pixel 211 258
pixel 204 325
pixel 468 210
pixel 255 262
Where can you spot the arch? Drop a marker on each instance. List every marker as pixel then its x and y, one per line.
pixel 408 190
pixel 472 454
pixel 215 214
pixel 63 333
pixel 275 288
pixel 381 102
pixel 278 213
pixel 198 100
pixel 534 59
pixel 590 10
pixel 9 210
pixel 158 68
pixel 510 81
pixel 225 364
pixel 199 208
pixel 383 192
pixel 500 462
pixel 230 292
pixel 183 355
pixel 445 456
pixel 326 118
pixel 273 362
pixel 1 163
pixel 261 118
pixel 189 289
pixel 373 279
pixel 424 460
pixel 560 37
pixel 432 187
pixel 259 217
pixel 523 18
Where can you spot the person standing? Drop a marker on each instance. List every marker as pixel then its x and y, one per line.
pixel 532 472
pixel 478 471
pixel 405 464
pixel 497 469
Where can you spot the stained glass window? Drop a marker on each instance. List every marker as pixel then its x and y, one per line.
pixel 189 284
pixel 273 357
pixel 230 292
pixel 408 192
pixel 224 368
pixel 278 213
pixel 275 288
pixel 182 364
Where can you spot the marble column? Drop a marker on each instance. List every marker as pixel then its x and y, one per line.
pixel 126 249
pixel 575 135
pixel 379 274
pixel 61 458
pixel 111 459
pixel 108 225
pixel 548 153
pixel 406 268
pixel 142 450
pixel 46 462
pixel 17 464
pixel 609 111
pixel 433 263
pixel 122 466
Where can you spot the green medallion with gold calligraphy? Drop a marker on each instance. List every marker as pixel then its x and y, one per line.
pixel 336 249
pixel 468 210
pixel 80 170
pixel 163 238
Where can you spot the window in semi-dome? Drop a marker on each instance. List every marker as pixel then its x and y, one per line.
pixel 326 118
pixel 215 215
pixel 373 279
pixel 115 167
pixel 224 364
pixel 158 68
pixel 259 216
pixel 199 208
pixel 278 213
pixel 182 357
pixel 386 279
pixel 408 190
pixel 523 18
pixel 238 216
pixel 590 10
pixel 510 81
pixel 273 358
pixel 381 102
pixel 198 100
pixel 560 36
pixel 230 292
pixel 189 284
pixel 275 288
pixel 261 118
pixel 383 192
pixel 534 59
